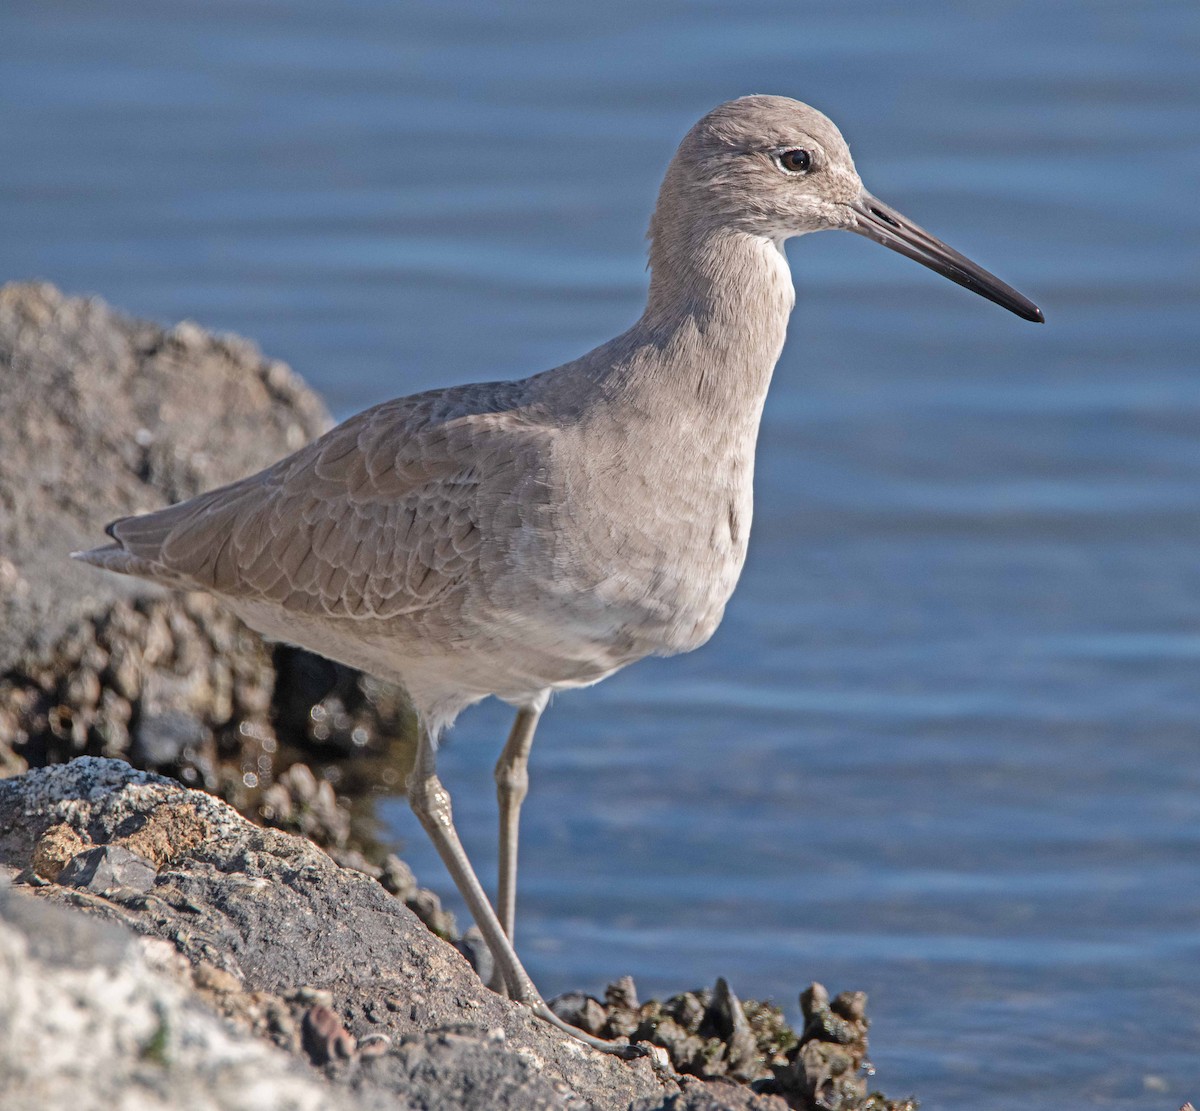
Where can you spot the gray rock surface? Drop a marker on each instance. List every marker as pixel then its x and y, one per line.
pixel 104 416
pixel 90 1017
pixel 298 952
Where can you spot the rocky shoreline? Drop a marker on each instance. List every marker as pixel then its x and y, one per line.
pixel 245 966
pixel 293 962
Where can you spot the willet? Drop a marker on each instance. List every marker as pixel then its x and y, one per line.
pixel 519 538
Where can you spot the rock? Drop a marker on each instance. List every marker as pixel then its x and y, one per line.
pixel 166 738
pixel 581 1011
pixel 713 1036
pixel 719 1095
pixel 87 1021
pixel 472 946
pixel 107 867
pixel 324 1038
pixel 465 1067
pixel 54 850
pixel 742 1058
pixel 301 803
pixel 105 416
pixel 622 994
pixel 298 952
pixel 825 1068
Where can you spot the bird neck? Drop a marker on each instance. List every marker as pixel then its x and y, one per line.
pixel 714 325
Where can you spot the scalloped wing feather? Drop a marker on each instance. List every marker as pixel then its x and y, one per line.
pixel 382 516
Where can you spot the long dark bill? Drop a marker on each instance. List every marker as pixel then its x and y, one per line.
pixel 885 225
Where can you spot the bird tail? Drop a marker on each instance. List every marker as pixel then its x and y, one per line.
pixel 140 541
pixel 113 557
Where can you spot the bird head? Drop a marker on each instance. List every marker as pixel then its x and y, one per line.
pixel 772 167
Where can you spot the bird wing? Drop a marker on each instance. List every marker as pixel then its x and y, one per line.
pixel 379 517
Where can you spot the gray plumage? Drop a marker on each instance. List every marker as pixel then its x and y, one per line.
pixel 517 538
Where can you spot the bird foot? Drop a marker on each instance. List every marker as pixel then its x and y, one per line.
pixel 626 1051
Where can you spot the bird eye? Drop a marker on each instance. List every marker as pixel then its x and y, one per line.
pixel 795 161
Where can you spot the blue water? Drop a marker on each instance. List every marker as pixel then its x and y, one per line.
pixel 944 747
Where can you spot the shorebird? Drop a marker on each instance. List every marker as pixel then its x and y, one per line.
pixel 513 539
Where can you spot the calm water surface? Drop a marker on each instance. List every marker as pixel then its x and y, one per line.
pixel 944 747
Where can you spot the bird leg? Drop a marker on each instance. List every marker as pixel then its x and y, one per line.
pixel 430 802
pixel 512 785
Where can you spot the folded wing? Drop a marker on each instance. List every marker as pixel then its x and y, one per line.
pixel 384 515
